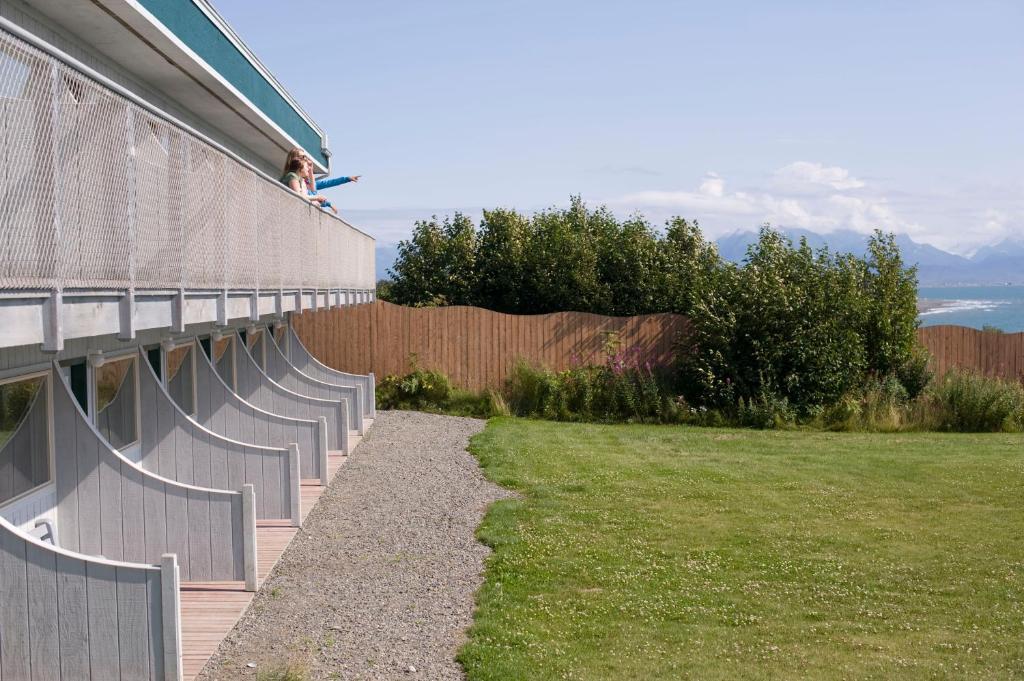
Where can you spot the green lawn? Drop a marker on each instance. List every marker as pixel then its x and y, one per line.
pixel 655 552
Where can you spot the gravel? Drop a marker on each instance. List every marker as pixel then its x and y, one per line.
pixel 379 583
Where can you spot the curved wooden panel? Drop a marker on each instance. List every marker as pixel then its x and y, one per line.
pixel 255 386
pixel 281 370
pixel 224 411
pixel 177 447
pixel 110 506
pixel 72 616
pixel 304 360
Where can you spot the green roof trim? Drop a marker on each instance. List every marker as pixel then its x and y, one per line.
pixel 194 28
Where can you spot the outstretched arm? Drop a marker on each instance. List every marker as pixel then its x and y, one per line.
pixel 328 182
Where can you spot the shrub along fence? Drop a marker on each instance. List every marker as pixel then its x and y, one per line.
pixel 477 348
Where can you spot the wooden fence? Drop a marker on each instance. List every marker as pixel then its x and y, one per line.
pixel 477 347
pixel 993 354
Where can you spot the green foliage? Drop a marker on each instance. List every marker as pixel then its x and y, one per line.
pixel 790 326
pixel 559 259
pixel 968 402
pixel 436 266
pixel 765 411
pixel 915 375
pixel 417 389
pixel 384 289
pixel 879 405
pixel 432 391
pixel 960 401
pixel 889 329
pixel 800 327
pixel 502 244
pixel 283 673
pixel 623 389
pixel 15 399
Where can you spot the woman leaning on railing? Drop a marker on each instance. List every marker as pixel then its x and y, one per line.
pixel 298 176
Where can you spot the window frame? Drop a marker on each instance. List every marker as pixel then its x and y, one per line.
pixel 116 356
pixel 169 346
pixel 51 434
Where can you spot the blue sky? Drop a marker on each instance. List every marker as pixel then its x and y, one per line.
pixel 908 116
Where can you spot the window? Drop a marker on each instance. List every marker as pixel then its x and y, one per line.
pixel 254 341
pixel 223 358
pixel 180 379
pixel 153 355
pixel 279 335
pixel 116 411
pixel 24 436
pixel 77 375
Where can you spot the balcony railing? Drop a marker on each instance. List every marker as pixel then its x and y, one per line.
pixel 100 190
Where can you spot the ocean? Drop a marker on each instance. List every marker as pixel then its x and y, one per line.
pixel 974 306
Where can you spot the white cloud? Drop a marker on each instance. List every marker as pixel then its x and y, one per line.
pixel 804 176
pixel 802 194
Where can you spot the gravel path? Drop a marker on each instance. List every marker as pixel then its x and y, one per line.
pixel 382 576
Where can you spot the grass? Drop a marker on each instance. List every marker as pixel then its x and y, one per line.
pixel 283 673
pixel 659 552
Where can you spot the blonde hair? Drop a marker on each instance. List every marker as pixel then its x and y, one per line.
pixel 295 154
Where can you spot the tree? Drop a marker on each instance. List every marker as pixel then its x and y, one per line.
pixel 890 330
pixel 503 239
pixel 560 262
pixel 436 265
pixel 630 269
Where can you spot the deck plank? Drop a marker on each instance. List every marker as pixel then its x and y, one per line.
pixel 209 610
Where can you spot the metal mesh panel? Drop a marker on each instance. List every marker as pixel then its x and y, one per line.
pixel 242 235
pixel 294 234
pixel 271 240
pixel 27 213
pixel 93 163
pixel 205 217
pixel 159 178
pixel 307 226
pixel 100 192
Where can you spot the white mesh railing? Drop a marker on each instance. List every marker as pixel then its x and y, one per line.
pixel 100 192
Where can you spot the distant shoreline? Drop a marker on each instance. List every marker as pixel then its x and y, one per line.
pixel 925 305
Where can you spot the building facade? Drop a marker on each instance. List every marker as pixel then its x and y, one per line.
pixel 156 409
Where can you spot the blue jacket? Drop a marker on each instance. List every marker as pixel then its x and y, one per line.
pixel 327 183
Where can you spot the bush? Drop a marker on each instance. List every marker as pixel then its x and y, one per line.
pixel 880 405
pixel 765 411
pixel 914 374
pixel 805 326
pixel 432 391
pixel 968 402
pixel 622 389
pixel 415 390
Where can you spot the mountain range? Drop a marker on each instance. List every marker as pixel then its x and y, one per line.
pixel 1001 263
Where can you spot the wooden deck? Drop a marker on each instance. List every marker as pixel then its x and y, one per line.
pixel 210 610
